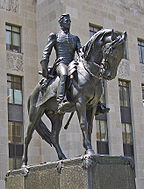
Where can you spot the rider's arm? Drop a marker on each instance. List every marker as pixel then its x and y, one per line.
pixel 46 54
pixel 78 47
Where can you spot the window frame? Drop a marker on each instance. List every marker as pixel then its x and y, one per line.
pixel 128 148
pixel 12 82
pixel 11 46
pixel 99 127
pixel 93 29
pixel 127 87
pixel 14 136
pixel 142 86
pixel 141 50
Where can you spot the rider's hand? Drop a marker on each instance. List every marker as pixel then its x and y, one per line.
pixel 45 73
pixel 44 68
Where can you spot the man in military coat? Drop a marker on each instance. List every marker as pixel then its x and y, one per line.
pixel 65 45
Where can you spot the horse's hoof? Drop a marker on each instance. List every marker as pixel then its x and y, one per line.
pixel 88 159
pixel 23 166
pixel 62 157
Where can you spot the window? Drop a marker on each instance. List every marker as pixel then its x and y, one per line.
pixel 14 89
pixel 15 132
pixel 15 120
pixel 124 93
pixel 101 130
pixel 15 163
pixel 125 108
pixel 13 38
pixel 102 137
pixel 141 51
pixel 143 94
pixel 94 29
pixel 127 133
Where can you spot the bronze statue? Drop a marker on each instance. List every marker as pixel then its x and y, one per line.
pixel 65 45
pixel 98 61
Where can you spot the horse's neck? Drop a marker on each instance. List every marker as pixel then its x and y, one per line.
pixel 93 66
pixel 88 69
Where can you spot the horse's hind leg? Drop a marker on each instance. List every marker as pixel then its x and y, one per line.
pixel 56 121
pixel 34 117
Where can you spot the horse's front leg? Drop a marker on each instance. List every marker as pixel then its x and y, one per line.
pixel 81 111
pixel 90 113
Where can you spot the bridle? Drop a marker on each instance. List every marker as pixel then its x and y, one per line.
pixel 103 66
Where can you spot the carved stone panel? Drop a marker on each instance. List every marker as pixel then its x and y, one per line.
pixel 10 5
pixel 14 61
pixel 124 68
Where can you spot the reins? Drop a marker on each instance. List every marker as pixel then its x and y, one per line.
pixel 102 66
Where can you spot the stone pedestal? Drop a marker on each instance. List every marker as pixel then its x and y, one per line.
pixel 96 172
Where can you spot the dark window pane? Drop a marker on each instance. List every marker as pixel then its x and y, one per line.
pixel 15 163
pixel 141 51
pixel 8 37
pixel 127 133
pixel 126 96
pixel 143 94
pixel 16 29
pixel 102 147
pixel 101 130
pixel 9 77
pixel 17 97
pixel 124 93
pixel 140 54
pixel 18 132
pixel 94 29
pixel 16 39
pixel 121 96
pixel 10 96
pixel 15 132
pixel 17 79
pixel 8 27
pixel 11 132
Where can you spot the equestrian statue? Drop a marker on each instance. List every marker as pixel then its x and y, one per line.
pixel 73 84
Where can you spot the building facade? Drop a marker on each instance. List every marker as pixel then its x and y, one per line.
pixel 24 29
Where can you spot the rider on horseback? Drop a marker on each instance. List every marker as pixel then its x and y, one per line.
pixel 65 45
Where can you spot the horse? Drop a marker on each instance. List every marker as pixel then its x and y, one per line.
pixel 98 61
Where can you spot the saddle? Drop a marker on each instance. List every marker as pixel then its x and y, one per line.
pixel 72 70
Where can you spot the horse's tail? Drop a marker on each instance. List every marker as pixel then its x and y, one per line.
pixel 41 128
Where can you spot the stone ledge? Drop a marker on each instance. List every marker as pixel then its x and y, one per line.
pixel 104 172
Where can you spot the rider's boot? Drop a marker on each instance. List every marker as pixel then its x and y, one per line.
pixel 63 103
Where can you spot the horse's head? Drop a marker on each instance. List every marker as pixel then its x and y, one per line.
pixel 106 48
pixel 114 49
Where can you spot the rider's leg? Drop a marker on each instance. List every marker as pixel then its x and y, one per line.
pixel 62 73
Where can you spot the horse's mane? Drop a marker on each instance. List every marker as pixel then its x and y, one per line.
pixel 88 47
